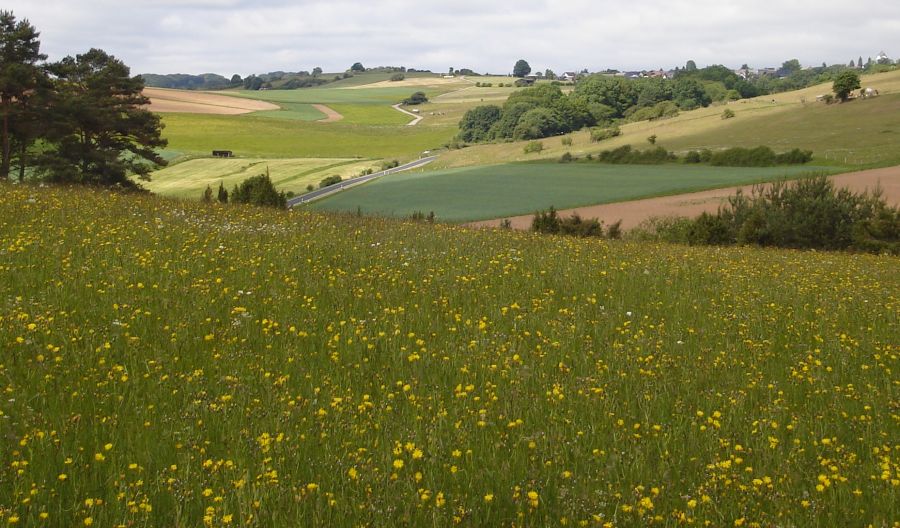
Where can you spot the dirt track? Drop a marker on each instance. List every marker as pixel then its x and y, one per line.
pixel 330 115
pixel 692 204
pixel 183 101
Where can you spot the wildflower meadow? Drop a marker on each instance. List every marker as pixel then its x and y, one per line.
pixel 178 364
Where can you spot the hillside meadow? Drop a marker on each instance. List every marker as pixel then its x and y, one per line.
pixel 173 364
pixel 859 134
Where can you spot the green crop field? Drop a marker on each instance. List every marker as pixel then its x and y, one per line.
pixel 294 111
pixel 190 178
pixel 178 364
pixel 256 135
pixel 507 190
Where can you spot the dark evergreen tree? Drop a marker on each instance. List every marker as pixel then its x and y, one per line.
pixel 20 79
pixel 521 69
pixel 99 131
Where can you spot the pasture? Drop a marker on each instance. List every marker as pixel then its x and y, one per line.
pixel 257 135
pixel 488 192
pixel 190 178
pixel 178 364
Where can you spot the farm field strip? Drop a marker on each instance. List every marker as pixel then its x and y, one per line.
pixel 189 179
pixel 186 101
pixel 172 363
pixel 632 213
pixel 483 193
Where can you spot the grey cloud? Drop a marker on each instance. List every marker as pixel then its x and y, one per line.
pixel 227 36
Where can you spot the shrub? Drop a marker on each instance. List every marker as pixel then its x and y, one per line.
pixel 744 157
pixel 614 231
pixel 728 113
pixel 329 181
pixel 388 165
pixel 567 158
pixel 416 99
pixel 567 141
pixel 661 110
pixel 627 155
pixel 758 157
pixel 672 229
pixel 601 134
pixel 533 147
pixel 258 190
pixel 794 157
pixel 692 157
pixel 705 155
pixel 397 77
pixel 549 222
pixel 806 214
pixel 419 216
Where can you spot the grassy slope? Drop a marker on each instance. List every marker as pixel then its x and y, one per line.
pixel 189 179
pixel 514 189
pixel 170 361
pixel 854 130
pixel 259 136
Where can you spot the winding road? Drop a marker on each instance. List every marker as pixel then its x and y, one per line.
pixel 417 117
pixel 337 187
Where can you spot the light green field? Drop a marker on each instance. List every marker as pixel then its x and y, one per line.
pixel 294 111
pixel 514 189
pixel 183 365
pixel 190 178
pixel 859 133
pixel 256 135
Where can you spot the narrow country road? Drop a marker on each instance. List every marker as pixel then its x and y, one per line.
pixel 337 187
pixel 417 117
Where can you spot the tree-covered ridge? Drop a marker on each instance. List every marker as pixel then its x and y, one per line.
pixel 544 110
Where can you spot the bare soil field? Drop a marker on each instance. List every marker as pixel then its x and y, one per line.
pixel 187 102
pixel 693 204
pixel 330 115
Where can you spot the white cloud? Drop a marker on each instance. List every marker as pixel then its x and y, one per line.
pixel 227 36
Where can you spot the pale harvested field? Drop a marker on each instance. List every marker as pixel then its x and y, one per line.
pixel 331 116
pixel 412 82
pixel 189 102
pixel 693 204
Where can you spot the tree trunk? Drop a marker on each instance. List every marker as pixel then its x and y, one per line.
pixel 4 163
pixel 23 152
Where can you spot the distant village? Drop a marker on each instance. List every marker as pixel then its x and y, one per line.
pixel 744 72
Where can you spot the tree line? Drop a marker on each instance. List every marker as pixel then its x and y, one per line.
pixel 78 120
pixel 544 110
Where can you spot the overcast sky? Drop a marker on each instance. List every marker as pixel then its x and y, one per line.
pixel 256 36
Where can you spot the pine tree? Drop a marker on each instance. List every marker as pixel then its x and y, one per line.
pixel 99 131
pixel 19 75
pixel 223 194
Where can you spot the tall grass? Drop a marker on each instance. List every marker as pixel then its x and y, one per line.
pixel 174 364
